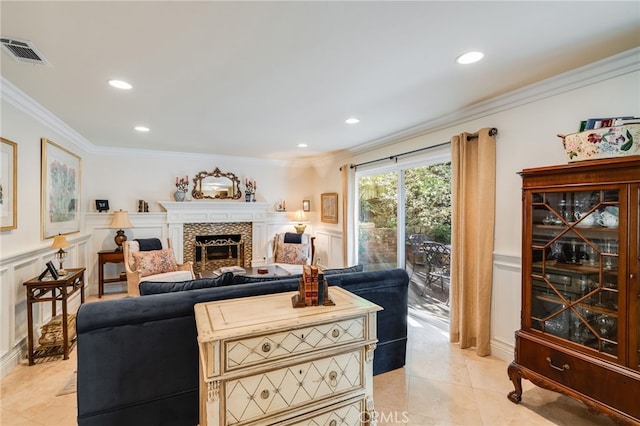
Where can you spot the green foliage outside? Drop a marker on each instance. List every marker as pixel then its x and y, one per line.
pixel 428 201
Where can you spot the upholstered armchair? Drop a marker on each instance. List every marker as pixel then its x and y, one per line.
pixel 152 260
pixel 293 249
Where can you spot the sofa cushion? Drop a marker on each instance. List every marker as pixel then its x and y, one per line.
pixel 350 269
pixel 296 254
pixel 241 279
pixel 155 262
pixel 157 287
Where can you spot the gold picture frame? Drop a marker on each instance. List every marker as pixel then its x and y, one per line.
pixel 8 185
pixel 60 190
pixel 306 205
pixel 329 207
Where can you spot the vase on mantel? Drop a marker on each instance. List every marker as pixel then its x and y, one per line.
pixel 179 195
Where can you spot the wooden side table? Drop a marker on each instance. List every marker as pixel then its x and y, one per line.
pixel 50 290
pixel 108 256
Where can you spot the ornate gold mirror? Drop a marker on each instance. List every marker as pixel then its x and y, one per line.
pixel 216 185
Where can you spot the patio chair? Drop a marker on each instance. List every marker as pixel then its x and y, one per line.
pixel 418 258
pixel 438 260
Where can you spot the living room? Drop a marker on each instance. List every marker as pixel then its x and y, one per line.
pixel 528 120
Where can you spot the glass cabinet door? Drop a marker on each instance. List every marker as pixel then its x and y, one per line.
pixel 574 266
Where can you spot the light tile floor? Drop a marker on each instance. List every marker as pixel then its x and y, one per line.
pixel 440 385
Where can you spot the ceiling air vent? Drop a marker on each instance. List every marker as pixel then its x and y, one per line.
pixel 24 51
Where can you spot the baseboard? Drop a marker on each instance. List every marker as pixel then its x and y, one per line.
pixel 502 350
pixel 12 358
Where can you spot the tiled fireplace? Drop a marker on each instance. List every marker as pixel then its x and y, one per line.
pixel 186 220
pixel 231 244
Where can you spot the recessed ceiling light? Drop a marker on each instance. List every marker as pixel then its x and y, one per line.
pixel 469 58
pixel 142 128
pixel 119 84
pixel 352 120
pixel 302 145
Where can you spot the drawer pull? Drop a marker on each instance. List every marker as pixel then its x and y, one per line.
pixel 333 378
pixel 266 347
pixel 335 332
pixel 555 367
pixel 264 394
pixel 333 423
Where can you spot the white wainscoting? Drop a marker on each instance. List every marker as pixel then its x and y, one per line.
pixel 329 248
pixel 15 270
pixel 505 304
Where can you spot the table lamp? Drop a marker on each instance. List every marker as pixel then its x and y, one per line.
pixel 300 227
pixel 60 242
pixel 120 222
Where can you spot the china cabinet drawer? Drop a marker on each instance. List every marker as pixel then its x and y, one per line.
pixel 607 383
pixel 255 350
pixel 250 398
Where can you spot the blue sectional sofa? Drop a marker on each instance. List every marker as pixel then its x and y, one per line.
pixel 138 356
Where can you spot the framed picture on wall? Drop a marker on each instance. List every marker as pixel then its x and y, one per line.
pixel 8 185
pixel 329 207
pixel 306 205
pixel 60 190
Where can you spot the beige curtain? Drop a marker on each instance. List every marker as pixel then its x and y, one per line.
pixel 473 219
pixel 346 175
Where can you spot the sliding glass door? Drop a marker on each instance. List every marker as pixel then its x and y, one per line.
pixel 378 220
pixel 404 220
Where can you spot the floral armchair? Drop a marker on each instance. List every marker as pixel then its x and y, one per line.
pixel 293 249
pixel 152 260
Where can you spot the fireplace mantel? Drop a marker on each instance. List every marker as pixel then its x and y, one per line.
pixel 215 211
pixel 218 211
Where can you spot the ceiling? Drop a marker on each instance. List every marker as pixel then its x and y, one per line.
pixel 258 78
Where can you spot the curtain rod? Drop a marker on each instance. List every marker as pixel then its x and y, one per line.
pixel 492 132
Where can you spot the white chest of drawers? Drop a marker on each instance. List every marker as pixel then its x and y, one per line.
pixel 262 362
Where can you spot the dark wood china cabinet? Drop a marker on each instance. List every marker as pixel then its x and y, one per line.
pixel 580 318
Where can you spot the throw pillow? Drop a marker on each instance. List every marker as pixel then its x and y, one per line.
pixel 154 287
pixel 292 238
pixel 154 262
pixel 295 254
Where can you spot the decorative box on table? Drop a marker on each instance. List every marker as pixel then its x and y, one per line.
pixel 605 142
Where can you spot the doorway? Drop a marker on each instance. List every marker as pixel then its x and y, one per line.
pixel 404 220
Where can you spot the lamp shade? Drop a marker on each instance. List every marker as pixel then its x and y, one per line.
pixel 60 242
pixel 300 216
pixel 120 220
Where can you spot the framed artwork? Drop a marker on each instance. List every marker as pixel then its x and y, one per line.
pixel 102 205
pixel 306 205
pixel 329 207
pixel 8 185
pixel 60 190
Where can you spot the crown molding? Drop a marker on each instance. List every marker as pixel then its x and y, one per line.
pixel 605 69
pixel 23 102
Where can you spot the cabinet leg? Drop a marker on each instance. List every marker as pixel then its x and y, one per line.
pixel 515 375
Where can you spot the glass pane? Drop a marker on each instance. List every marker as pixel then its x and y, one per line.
pixel 377 224
pixel 575 267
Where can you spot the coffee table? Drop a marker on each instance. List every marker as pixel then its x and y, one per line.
pixel 272 271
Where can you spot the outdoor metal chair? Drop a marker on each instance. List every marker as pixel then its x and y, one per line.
pixel 418 258
pixel 438 263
